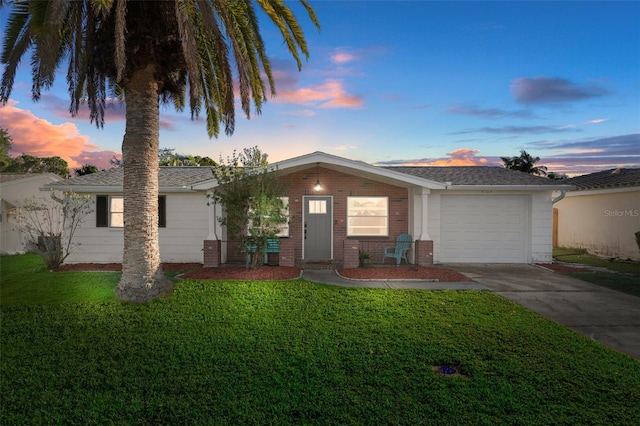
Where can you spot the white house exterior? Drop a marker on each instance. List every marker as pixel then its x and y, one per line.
pixel 454 214
pixel 15 190
pixel 602 214
pixel 185 213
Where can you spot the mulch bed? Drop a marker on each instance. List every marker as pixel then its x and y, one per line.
pixel 117 267
pixel 268 273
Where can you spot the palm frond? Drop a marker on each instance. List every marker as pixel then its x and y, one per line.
pixel 17 42
pixel 48 32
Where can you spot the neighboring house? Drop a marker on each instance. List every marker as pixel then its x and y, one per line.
pixel 15 190
pixel 454 214
pixel 602 214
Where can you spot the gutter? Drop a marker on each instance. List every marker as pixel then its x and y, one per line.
pixel 559 197
pixel 112 189
pixel 563 188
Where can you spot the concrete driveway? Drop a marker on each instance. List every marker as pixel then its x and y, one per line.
pixel 610 317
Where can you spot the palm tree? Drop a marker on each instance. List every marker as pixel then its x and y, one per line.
pixel 85 169
pixel 147 52
pixel 524 163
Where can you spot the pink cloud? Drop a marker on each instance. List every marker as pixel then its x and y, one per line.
pixel 457 157
pixel 100 159
pixel 38 137
pixel 330 94
pixel 342 57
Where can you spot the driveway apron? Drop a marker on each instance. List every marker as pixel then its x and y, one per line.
pixel 607 316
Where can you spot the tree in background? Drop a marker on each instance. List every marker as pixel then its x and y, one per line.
pixel 85 169
pixel 251 194
pixel 168 157
pixel 5 145
pixel 29 164
pixel 116 162
pixel 149 52
pixel 524 163
pixel 557 176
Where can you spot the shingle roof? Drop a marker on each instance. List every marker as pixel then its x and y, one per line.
pixel 613 178
pixel 8 177
pixel 179 177
pixel 168 177
pixel 11 177
pixel 475 175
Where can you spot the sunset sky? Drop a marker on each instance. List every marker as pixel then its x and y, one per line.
pixel 408 82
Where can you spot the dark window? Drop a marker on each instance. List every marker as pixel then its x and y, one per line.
pixel 162 211
pixel 102 211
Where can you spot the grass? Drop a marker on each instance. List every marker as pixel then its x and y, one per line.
pixel 620 276
pixel 237 352
pixel 577 255
pixel 25 278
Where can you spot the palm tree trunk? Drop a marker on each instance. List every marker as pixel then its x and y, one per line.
pixel 142 277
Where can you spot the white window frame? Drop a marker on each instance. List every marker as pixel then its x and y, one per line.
pixel 284 228
pixel 367 211
pixel 112 212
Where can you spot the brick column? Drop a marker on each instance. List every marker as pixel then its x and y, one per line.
pixel 351 257
pixel 211 253
pixel 424 252
pixel 287 255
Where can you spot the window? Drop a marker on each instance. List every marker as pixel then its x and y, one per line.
pixel 317 206
pixel 368 216
pixel 110 211
pixel 116 212
pixel 283 227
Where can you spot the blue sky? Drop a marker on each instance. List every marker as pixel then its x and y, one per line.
pixel 410 82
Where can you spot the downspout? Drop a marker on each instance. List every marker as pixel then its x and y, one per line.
pixel 559 197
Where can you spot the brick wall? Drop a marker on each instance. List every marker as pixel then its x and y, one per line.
pixel 351 254
pixel 286 257
pixel 211 253
pixel 424 253
pixel 341 185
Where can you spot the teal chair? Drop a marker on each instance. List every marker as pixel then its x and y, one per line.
pixel 273 246
pixel 399 251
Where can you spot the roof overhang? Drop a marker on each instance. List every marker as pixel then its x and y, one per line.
pixel 601 191
pixel 511 187
pixel 51 177
pixel 113 189
pixel 332 162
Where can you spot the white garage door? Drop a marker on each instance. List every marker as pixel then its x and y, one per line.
pixel 484 229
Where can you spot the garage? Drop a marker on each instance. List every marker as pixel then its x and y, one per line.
pixel 484 229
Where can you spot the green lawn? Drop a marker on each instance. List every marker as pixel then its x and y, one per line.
pixel 294 353
pixel 25 279
pixel 620 276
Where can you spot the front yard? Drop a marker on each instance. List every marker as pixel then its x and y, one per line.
pixel 617 275
pixel 293 352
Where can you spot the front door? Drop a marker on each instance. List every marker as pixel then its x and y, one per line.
pixel 318 230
